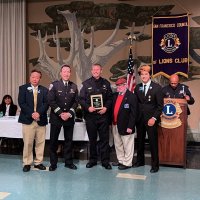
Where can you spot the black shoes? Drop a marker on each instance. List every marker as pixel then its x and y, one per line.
pixel 137 164
pixel 123 167
pixel 71 166
pixel 115 164
pixel 106 165
pixel 40 167
pixel 52 168
pixel 154 169
pixel 26 168
pixel 91 164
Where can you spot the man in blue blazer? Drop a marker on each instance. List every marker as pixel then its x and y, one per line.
pixel 32 100
pixel 150 100
pixel 124 117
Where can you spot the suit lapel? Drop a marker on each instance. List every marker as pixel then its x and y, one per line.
pixel 141 93
pixel 39 94
pixel 29 93
pixel 124 101
pixel 149 90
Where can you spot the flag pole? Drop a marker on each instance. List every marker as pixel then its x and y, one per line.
pixel 131 82
pixel 132 38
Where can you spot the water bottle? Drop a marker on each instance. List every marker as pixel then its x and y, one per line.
pixel 1 114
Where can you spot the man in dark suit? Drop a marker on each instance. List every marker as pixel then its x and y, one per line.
pixel 124 116
pixel 63 100
pixel 32 100
pixel 150 101
pixel 178 90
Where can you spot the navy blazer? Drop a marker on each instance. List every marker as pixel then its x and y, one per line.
pixel 26 103
pixel 127 112
pixel 150 105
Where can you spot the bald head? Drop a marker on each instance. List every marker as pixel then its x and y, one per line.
pixel 174 80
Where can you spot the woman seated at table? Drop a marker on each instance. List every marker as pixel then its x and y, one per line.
pixel 7 108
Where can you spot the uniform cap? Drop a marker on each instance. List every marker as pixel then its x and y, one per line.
pixel 120 81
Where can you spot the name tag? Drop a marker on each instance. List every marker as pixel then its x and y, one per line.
pixel 126 105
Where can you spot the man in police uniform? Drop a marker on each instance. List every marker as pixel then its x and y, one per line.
pixel 178 90
pixel 97 120
pixel 63 100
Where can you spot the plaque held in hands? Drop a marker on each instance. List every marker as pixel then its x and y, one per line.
pixel 97 101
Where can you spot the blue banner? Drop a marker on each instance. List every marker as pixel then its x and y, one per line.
pixel 170 45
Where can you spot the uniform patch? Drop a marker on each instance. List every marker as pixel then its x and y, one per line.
pixel 57 109
pixel 50 86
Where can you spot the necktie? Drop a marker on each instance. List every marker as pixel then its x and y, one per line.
pixel 35 93
pixel 144 90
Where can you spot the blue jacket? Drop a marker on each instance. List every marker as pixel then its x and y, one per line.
pixel 26 103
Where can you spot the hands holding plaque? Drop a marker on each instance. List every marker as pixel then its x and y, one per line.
pixel 97 104
pixel 97 101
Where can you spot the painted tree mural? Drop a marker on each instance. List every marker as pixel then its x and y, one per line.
pixel 85 17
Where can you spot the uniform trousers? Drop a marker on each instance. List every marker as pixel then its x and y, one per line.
pixel 152 132
pixel 30 133
pixel 68 143
pixel 98 125
pixel 124 146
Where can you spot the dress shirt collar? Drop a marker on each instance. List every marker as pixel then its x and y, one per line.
pixel 147 86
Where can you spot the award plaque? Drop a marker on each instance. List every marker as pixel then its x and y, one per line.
pixel 97 101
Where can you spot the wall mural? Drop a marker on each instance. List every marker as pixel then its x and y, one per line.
pixel 86 17
pixel 75 30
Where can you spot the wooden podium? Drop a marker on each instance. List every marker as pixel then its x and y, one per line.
pixel 172 141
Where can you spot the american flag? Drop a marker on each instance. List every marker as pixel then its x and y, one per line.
pixel 131 73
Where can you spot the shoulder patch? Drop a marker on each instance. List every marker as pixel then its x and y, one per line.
pixel 50 86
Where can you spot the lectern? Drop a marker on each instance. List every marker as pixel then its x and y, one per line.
pixel 172 133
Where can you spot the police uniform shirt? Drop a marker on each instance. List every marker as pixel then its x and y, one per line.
pixel 94 86
pixel 178 92
pixel 62 98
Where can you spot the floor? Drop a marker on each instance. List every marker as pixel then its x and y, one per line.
pixel 97 183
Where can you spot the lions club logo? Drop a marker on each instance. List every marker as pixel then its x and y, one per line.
pixel 170 42
pixel 170 117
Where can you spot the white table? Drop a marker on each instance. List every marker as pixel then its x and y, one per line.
pixel 10 128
